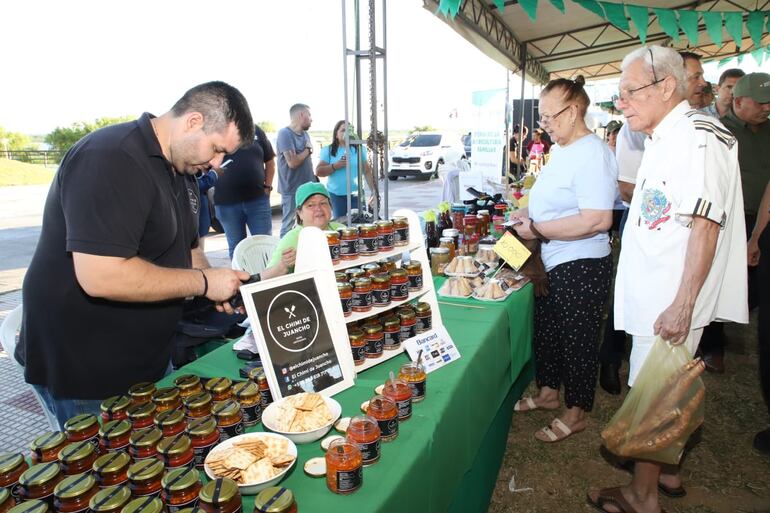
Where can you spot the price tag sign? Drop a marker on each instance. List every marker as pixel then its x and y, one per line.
pixel 512 251
pixel 438 348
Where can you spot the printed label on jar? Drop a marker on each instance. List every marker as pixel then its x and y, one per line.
pixel 401 237
pixel 388 428
pixel 334 252
pixel 266 398
pixel 404 408
pixel 360 300
pixel 348 247
pixel 367 245
pixel 346 303
pixel 415 282
pixel 348 480
pixel 203 451
pixel 385 241
pixel 399 291
pixel 392 340
pixel 408 331
pixel 424 324
pixel 418 389
pixel 358 353
pixel 176 508
pixel 374 346
pixel 230 431
pixel 381 297
pixel 252 414
pixel 370 451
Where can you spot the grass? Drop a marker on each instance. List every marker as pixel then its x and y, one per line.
pixel 13 172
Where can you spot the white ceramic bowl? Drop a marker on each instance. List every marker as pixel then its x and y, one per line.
pixel 255 488
pixel 303 437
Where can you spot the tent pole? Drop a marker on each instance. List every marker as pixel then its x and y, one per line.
pixel 345 92
pixel 521 118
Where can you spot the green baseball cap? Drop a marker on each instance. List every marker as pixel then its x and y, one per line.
pixel 308 189
pixel 613 126
pixel 754 85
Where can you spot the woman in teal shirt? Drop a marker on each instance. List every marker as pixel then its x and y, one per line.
pixel 332 164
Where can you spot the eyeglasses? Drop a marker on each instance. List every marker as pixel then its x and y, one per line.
pixel 628 95
pixel 546 120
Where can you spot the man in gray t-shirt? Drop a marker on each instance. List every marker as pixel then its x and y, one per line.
pixel 295 166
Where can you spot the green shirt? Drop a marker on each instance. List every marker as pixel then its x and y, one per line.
pixel 290 240
pixel 753 158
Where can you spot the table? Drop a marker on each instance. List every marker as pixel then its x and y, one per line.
pixel 447 456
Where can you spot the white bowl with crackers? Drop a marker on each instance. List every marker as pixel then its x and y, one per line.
pixel 253 460
pixel 302 418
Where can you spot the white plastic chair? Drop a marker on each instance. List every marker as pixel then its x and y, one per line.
pixel 253 253
pixel 8 333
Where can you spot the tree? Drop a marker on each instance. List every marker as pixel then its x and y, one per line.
pixel 13 141
pixel 63 138
pixel 422 128
pixel 267 125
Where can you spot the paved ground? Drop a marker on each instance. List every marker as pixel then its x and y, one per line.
pixel 21 208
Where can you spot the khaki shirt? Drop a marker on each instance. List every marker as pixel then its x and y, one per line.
pixel 753 158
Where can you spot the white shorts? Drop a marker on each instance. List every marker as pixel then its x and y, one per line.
pixel 641 348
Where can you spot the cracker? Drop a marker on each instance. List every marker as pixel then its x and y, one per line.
pixel 261 470
pixel 281 460
pixel 240 459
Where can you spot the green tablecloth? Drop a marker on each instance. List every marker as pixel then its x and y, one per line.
pixel 450 435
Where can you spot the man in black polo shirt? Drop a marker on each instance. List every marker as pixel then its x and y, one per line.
pixel 118 251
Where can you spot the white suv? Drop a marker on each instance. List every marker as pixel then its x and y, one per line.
pixel 421 154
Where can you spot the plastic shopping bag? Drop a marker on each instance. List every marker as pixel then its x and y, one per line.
pixel 662 409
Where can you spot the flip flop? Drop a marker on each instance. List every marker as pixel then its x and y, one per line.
pixel 613 497
pixel 552 436
pixel 671 492
pixel 528 401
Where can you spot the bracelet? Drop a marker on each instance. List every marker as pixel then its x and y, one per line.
pixel 537 233
pixel 205 283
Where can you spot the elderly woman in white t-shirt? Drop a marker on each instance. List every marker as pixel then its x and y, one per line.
pixel 570 211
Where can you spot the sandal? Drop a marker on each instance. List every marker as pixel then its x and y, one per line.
pixel 613 497
pixel 551 436
pixel 669 491
pixel 530 405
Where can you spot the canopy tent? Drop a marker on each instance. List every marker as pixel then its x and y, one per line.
pixel 580 41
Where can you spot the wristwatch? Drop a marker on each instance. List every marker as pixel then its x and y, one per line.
pixel 268 187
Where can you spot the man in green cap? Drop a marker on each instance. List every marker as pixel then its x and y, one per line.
pixel 748 121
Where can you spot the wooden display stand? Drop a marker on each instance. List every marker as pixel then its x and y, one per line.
pixel 313 255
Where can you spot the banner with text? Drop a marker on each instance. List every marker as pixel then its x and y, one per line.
pixel 488 135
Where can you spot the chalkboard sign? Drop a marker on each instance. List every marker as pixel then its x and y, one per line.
pixel 301 346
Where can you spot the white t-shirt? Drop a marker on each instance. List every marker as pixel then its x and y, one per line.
pixel 582 175
pixel 629 150
pixel 690 167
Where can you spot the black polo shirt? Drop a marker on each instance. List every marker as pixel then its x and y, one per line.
pixel 113 195
pixel 244 178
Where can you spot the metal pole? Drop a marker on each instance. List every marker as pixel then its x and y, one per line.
pixel 508 115
pixel 385 146
pixel 521 123
pixel 372 104
pixel 345 92
pixel 359 120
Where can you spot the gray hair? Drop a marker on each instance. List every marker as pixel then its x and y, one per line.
pixel 667 62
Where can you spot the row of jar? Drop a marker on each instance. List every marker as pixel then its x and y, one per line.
pixel 348 243
pixel 361 289
pixel 383 414
pixel 372 336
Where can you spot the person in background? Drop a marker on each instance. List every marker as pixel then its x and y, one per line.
pixel 332 163
pixel 694 82
pixel 611 131
pixel 708 96
pixel 747 121
pixel 119 253
pixel 570 212
pixel 538 146
pixel 206 180
pixel 682 259
pixel 295 166
pixel 313 209
pixel 454 164
pixel 242 193
pixel 724 91
pixel 518 167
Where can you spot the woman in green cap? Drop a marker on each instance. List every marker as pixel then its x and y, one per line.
pixel 313 209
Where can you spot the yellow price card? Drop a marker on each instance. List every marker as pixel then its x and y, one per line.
pixel 512 251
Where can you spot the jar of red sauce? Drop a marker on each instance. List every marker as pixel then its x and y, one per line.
pixel 77 458
pixel 424 317
pixel 141 392
pixel 141 415
pixel 171 422
pixel 333 240
pixel 344 467
pixel 247 395
pixel 364 432
pixel 110 499
pixel 367 239
pixel 219 388
pixel 357 345
pixel 345 291
pixel 166 398
pixel 401 231
pixel 387 264
pixel 39 481
pixel 180 489
pixel 198 406
pixel 12 466
pixel 111 469
pixel 83 427
pixel 188 384
pixel 115 408
pixel 340 277
pixel 381 290
pixel 414 375
pixel 498 223
pixel 362 294
pixel 73 493
pixel 408 323
pixel 391 332
pixel 204 435
pixel 399 285
pixel 414 272
pixel 483 222
pixel 399 392
pixel 220 496
pixel 151 504
pixel 275 499
pixel 229 418
pixel 354 272
pixel 114 436
pixel 257 375
pixel 349 243
pixel 374 341
pixel 385 412
pixel 385 235
pixel 144 444
pixel 144 478
pixel 33 506
pixel 371 269
pixel 46 447
pixel 176 452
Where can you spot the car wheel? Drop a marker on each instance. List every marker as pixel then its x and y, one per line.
pixel 392 178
